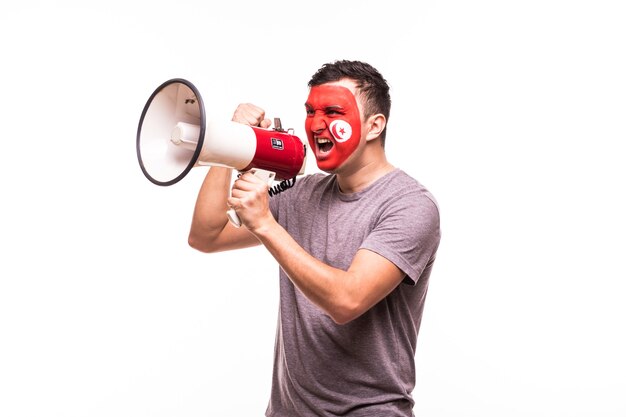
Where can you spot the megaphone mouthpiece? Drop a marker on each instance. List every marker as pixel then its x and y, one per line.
pixel 186 135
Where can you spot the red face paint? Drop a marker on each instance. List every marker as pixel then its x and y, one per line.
pixel 333 125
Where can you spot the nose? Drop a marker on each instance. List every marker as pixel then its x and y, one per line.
pixel 318 124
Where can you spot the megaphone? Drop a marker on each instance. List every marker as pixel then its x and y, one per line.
pixel 175 136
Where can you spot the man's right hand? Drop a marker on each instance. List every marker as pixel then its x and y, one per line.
pixel 249 114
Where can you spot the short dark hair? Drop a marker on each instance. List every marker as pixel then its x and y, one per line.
pixel 371 85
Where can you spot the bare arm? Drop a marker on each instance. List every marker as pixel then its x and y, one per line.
pixel 210 229
pixel 343 295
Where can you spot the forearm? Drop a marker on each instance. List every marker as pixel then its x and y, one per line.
pixel 331 289
pixel 209 216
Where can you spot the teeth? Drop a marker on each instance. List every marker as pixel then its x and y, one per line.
pixel 322 140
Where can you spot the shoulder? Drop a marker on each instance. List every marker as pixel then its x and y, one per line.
pixel 404 181
pixel 409 212
pixel 406 229
pixel 403 192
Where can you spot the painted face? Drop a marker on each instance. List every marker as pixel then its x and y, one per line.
pixel 333 125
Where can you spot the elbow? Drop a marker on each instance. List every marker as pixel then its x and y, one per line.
pixel 201 245
pixel 345 312
pixel 195 244
pixel 341 320
pixel 345 303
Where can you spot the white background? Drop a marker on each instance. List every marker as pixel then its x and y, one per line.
pixel 511 112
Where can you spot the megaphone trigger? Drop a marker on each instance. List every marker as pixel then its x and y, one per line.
pixel 263 174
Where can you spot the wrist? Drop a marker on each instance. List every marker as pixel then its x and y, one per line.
pixel 263 227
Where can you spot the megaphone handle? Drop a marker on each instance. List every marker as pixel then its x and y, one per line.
pixel 233 217
pixel 267 176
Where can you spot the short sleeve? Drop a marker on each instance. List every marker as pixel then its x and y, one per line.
pixel 407 233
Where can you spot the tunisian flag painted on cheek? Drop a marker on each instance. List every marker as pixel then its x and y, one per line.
pixel 341 130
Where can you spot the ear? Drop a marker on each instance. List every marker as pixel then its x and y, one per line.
pixel 375 125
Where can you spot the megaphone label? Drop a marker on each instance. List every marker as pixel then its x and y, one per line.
pixel 278 152
pixel 277 144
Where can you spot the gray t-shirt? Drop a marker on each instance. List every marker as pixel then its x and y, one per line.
pixel 365 367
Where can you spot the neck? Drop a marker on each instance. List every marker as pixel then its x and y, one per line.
pixel 354 178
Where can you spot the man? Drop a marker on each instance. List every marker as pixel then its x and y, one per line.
pixel 355 249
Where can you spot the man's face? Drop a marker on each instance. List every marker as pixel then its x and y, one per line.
pixel 333 124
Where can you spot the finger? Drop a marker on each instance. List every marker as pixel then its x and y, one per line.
pixel 248 113
pixel 240 184
pixel 238 193
pixel 265 123
pixel 252 185
pixel 249 176
pixel 248 181
pixel 233 203
pixel 246 119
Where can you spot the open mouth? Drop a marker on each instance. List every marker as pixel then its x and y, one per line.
pixel 324 145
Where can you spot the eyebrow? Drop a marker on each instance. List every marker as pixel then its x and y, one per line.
pixel 332 107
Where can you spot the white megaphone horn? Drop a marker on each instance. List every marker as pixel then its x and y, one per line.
pixel 174 136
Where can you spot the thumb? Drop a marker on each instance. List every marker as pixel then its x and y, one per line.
pixel 265 123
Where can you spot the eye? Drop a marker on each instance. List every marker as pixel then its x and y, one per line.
pixel 334 111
